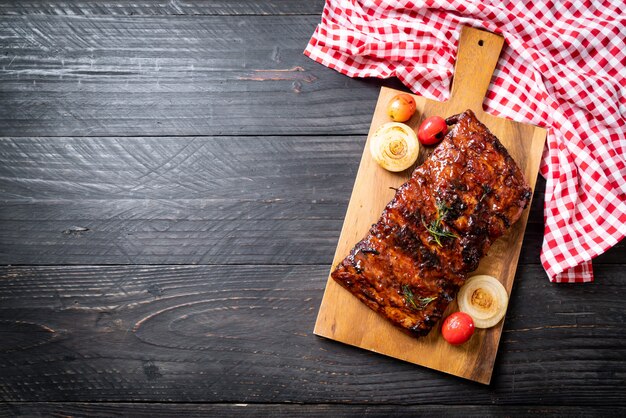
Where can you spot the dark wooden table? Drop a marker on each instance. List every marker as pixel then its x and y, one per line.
pixel 173 180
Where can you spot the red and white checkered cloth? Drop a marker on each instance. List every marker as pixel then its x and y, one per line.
pixel 563 67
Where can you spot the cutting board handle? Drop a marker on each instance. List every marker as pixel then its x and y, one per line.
pixel 476 59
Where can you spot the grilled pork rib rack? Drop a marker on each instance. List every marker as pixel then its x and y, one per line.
pixel 439 224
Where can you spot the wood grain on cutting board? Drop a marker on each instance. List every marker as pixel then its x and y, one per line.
pixel 341 316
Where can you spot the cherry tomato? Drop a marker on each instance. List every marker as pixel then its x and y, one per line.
pixel 432 130
pixel 401 107
pixel 457 328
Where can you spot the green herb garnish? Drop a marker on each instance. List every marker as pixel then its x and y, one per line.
pixel 436 228
pixel 418 305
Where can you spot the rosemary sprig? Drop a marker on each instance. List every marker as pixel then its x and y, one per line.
pixel 437 232
pixel 410 298
pixel 436 228
pixel 442 210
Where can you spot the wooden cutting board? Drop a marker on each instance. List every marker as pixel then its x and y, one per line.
pixel 341 316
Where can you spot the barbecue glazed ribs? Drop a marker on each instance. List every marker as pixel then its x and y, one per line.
pixel 439 224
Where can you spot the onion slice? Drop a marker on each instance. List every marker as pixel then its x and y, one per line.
pixel 394 146
pixel 485 299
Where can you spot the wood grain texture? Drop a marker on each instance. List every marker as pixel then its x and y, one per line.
pixel 241 334
pixel 176 200
pixel 30 409
pixel 159 7
pixel 209 75
pixel 344 318
pixel 238 168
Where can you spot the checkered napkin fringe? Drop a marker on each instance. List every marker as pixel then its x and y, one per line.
pixel 563 67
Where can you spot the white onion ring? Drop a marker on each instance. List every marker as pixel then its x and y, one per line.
pixel 485 299
pixel 394 146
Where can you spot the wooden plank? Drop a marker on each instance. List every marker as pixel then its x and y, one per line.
pixel 159 7
pixel 174 200
pixel 30 409
pixel 241 334
pixel 209 75
pixel 240 168
pixel 477 56
pixel 194 231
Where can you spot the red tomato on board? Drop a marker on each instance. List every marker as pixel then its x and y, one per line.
pixel 457 328
pixel 432 130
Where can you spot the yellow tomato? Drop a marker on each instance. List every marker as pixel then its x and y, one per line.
pixel 401 107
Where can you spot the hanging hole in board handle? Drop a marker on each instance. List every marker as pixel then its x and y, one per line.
pixel 480 42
